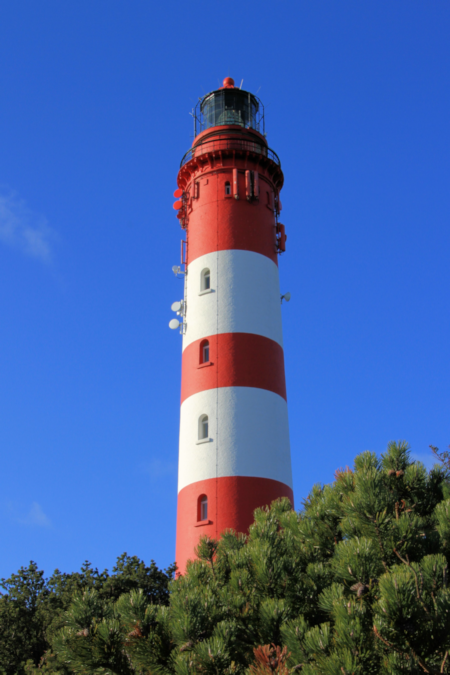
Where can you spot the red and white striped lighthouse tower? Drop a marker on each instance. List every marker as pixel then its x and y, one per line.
pixel 234 453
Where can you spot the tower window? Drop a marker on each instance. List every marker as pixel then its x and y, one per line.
pixel 228 188
pixel 202 508
pixel 203 427
pixel 204 351
pixel 205 280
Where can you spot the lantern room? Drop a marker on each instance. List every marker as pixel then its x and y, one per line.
pixel 227 106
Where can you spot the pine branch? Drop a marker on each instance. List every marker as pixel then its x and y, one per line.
pixel 443 457
pixel 419 596
pixel 425 668
pixel 387 643
pixel 380 542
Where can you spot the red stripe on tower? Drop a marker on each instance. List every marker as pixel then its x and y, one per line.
pixel 231 499
pixel 234 453
pixel 233 360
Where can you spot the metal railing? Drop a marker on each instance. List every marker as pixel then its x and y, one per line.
pixel 214 146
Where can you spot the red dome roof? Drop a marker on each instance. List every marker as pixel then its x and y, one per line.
pixel 228 83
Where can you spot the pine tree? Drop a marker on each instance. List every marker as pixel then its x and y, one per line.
pixel 356 583
pixel 33 609
pixel 22 632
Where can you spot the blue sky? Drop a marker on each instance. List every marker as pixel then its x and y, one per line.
pixel 94 120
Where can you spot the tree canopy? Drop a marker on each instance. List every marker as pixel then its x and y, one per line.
pixel 355 583
pixel 32 608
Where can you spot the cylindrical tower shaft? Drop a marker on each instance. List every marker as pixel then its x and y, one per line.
pixel 234 453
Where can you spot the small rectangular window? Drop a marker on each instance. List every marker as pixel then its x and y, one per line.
pixel 204 508
pixel 203 427
pixel 205 283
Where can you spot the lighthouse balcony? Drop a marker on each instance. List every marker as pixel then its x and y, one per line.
pixel 229 145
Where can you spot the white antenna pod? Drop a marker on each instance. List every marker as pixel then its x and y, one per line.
pixel 174 324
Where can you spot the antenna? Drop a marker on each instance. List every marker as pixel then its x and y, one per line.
pixel 242 82
pixel 286 296
pixel 176 306
pixel 176 269
pixel 258 90
pixel 174 324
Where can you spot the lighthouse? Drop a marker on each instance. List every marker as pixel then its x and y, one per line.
pixel 234 453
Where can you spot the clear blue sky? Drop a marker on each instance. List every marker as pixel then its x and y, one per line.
pixel 94 120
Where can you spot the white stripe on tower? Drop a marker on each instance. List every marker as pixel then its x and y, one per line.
pixel 244 296
pixel 248 427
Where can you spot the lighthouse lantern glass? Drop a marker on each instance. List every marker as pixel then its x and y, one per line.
pixel 230 107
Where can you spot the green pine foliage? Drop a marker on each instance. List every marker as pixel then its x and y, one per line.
pixel 22 635
pixel 356 583
pixel 32 608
